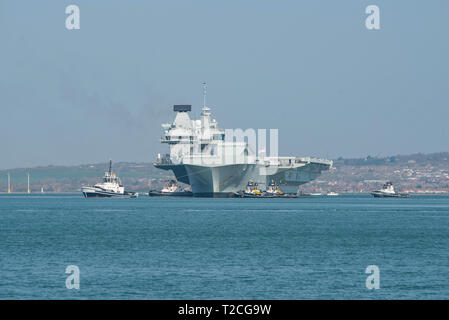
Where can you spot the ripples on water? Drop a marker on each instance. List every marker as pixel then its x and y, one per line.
pixel 150 248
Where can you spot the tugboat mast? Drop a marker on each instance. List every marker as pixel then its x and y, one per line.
pixel 204 94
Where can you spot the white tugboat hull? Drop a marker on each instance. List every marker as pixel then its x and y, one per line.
pixel 91 192
pixel 386 195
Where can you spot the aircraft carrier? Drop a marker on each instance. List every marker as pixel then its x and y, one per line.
pixel 216 165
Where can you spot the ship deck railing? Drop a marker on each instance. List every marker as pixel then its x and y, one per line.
pixel 279 161
pixel 292 161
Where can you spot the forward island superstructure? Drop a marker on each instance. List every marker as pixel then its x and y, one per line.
pixel 202 156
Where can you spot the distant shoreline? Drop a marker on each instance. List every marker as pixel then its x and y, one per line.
pixel 434 193
pixel 414 174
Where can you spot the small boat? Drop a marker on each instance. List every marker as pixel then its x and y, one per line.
pixel 110 187
pixel 252 191
pixel 170 190
pixel 332 193
pixel 388 191
pixel 273 189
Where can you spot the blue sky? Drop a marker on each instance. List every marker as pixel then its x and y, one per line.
pixel 309 68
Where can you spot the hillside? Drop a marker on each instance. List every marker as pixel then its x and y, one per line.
pixel 417 173
pixel 413 173
pixel 135 176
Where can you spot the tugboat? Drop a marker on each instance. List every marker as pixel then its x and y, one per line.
pixel 388 191
pixel 110 187
pixel 273 189
pixel 251 191
pixel 170 190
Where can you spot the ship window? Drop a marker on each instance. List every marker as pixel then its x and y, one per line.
pixel 203 145
pixel 218 137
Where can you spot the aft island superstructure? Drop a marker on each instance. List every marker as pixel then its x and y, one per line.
pixel 202 156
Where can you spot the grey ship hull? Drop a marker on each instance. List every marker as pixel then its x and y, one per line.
pixel 220 181
pixel 226 180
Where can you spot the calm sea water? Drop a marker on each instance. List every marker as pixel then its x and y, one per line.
pixel 150 248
